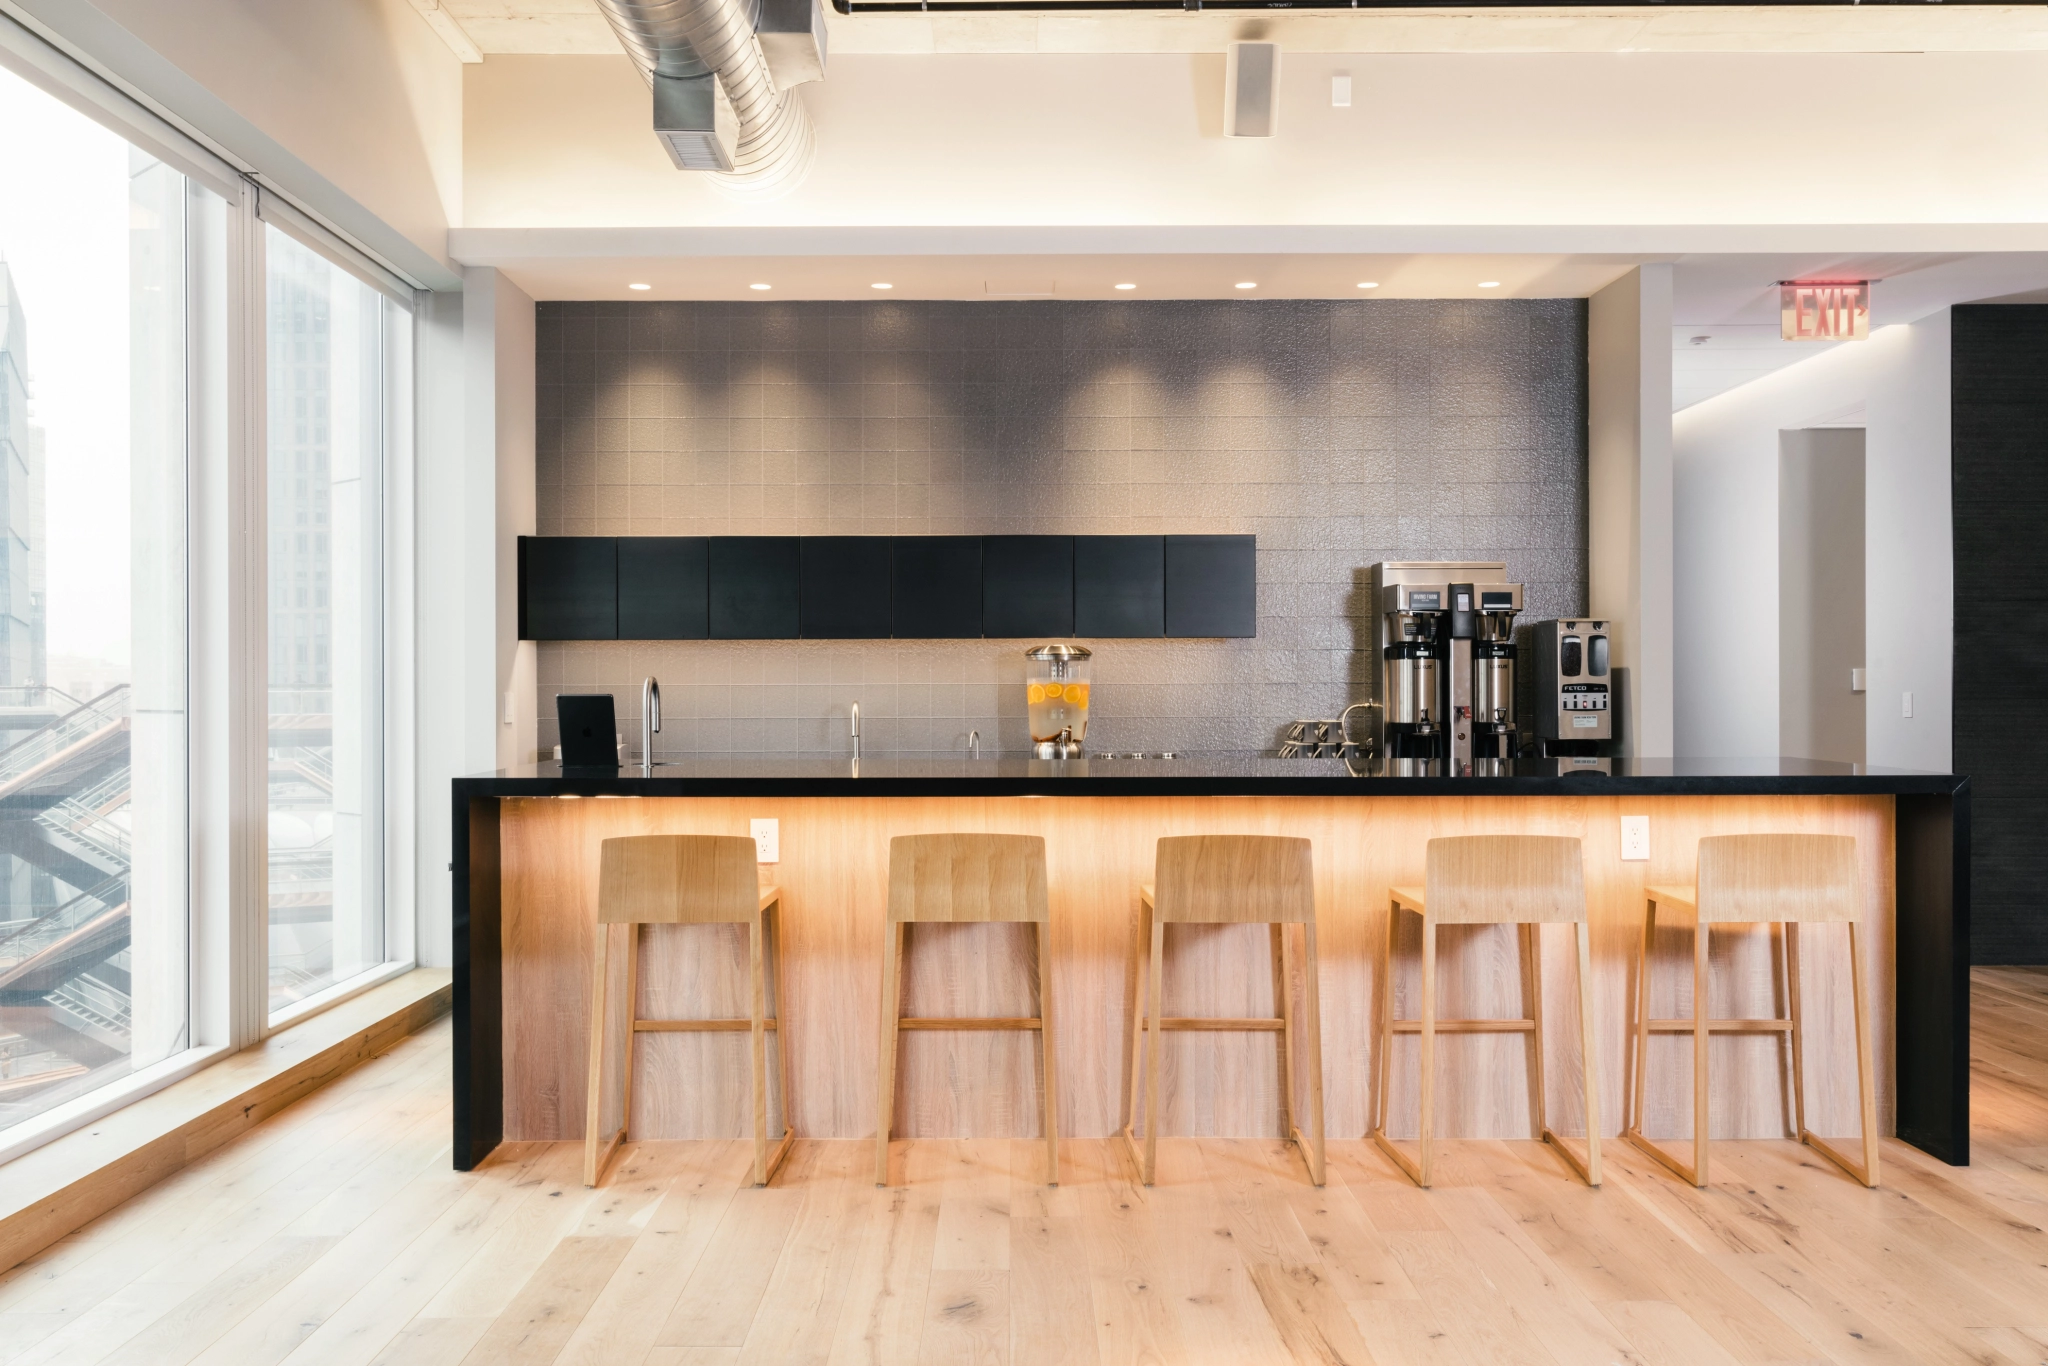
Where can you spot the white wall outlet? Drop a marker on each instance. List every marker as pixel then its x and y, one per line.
pixel 510 703
pixel 1340 91
pixel 1635 838
pixel 1906 705
pixel 1858 679
pixel 767 839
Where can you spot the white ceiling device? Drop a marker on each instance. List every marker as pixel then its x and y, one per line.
pixel 1251 91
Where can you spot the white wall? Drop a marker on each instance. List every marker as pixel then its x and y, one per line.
pixel 1084 139
pixel 352 107
pixel 1628 495
pixel 1725 456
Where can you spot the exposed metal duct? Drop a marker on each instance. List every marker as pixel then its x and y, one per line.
pixel 707 68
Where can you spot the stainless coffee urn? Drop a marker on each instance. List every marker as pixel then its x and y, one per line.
pixel 1445 637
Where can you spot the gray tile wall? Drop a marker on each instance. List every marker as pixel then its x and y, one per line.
pixel 1341 433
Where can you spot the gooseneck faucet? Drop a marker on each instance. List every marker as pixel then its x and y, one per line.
pixel 974 744
pixel 856 732
pixel 650 722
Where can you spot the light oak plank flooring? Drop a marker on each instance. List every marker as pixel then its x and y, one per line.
pixel 336 1234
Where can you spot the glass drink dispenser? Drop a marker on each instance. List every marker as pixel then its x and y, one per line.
pixel 1056 699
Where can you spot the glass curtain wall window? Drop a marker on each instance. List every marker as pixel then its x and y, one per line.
pixel 329 342
pixel 97 244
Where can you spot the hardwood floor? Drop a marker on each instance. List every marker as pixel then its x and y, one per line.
pixel 337 1233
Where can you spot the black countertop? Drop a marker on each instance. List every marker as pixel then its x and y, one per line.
pixel 1192 775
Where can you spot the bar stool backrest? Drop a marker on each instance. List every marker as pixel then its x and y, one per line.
pixel 678 880
pixel 967 878
pixel 1505 880
pixel 1235 879
pixel 1747 878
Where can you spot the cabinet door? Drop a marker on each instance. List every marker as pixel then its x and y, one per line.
pixel 1027 586
pixel 1120 586
pixel 1212 586
pixel 845 588
pixel 754 587
pixel 935 588
pixel 568 588
pixel 664 587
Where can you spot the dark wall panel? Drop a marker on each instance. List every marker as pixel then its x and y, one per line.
pixel 845 587
pixel 1999 451
pixel 936 591
pixel 1027 586
pixel 568 588
pixel 1120 586
pixel 754 587
pixel 1211 586
pixel 664 587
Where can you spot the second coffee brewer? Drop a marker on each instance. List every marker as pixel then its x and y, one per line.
pixel 1445 637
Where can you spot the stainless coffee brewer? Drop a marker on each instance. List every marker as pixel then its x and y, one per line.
pixel 1445 637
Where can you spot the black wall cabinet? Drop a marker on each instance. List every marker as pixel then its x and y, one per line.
pixel 875 587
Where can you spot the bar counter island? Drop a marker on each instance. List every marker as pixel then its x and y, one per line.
pixel 526 854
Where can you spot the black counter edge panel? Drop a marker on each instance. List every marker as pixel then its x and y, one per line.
pixel 479 1040
pixel 1931 843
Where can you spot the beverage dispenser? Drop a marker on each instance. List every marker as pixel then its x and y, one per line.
pixel 1056 699
pixel 1445 637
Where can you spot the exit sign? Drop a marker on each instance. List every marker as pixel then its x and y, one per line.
pixel 1824 310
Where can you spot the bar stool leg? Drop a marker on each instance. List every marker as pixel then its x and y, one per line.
pixel 1532 976
pixel 1425 1167
pixel 1866 1090
pixel 1386 1030
pixel 1283 1006
pixel 1589 1056
pixel 1791 932
pixel 1313 1038
pixel 781 1040
pixel 1153 993
pixel 1699 1053
pixel 892 1009
pixel 758 1041
pixel 1137 998
pixel 1635 1110
pixel 1047 1053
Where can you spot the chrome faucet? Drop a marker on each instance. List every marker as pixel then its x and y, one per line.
pixel 650 722
pixel 974 744
pixel 856 732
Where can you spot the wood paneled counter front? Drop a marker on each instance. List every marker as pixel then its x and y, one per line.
pixel 526 857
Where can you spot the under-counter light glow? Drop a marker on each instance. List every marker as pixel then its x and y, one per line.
pixel 1247 284
pixel 1368 284
pixel 1126 286
pixel 1489 284
pixel 881 284
pixel 760 286
pixel 637 285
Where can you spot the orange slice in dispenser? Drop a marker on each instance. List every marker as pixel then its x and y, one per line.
pixel 1052 691
pixel 1034 694
pixel 1077 693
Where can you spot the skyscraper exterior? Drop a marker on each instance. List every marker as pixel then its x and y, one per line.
pixel 22 650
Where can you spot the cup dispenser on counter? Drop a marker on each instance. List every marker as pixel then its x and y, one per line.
pixel 1445 637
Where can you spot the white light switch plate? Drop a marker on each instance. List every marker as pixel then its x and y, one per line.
pixel 1858 678
pixel 1635 838
pixel 767 840
pixel 1340 91
pixel 1906 705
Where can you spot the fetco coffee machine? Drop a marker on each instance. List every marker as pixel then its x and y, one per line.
pixel 1445 637
pixel 1574 693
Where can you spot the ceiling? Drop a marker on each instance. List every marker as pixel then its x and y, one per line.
pixel 574 27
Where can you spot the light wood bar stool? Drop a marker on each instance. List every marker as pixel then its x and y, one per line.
pixel 683 880
pixel 961 879
pixel 1527 881
pixel 1230 880
pixel 1786 880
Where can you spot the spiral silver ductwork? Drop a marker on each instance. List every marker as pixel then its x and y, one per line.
pixel 689 40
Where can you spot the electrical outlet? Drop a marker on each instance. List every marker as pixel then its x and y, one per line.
pixel 1906 705
pixel 509 703
pixel 767 840
pixel 1858 678
pixel 1635 838
pixel 1340 91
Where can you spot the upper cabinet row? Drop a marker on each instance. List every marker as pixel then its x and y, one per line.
pixel 875 587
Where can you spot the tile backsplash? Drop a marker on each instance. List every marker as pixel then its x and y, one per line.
pixel 1341 433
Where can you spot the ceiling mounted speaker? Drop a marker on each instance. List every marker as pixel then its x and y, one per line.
pixel 1251 91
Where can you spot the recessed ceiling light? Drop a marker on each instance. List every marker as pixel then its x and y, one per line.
pixel 1126 286
pixel 1368 284
pixel 637 285
pixel 1247 284
pixel 881 284
pixel 760 286
pixel 1489 284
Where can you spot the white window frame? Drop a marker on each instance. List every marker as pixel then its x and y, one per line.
pixel 227 596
